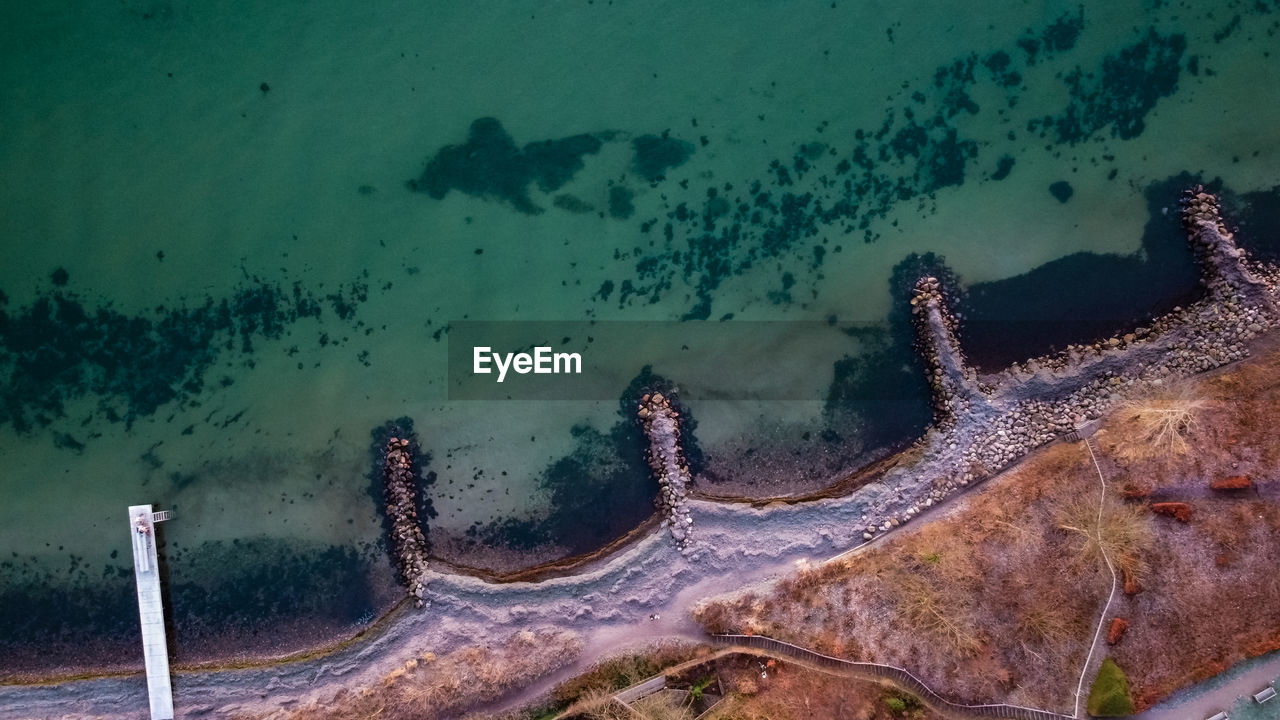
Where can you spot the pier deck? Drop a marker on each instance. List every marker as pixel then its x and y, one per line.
pixel 155 650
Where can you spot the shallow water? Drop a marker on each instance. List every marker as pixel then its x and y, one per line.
pixel 219 280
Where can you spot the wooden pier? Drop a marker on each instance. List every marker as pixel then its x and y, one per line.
pixel 146 570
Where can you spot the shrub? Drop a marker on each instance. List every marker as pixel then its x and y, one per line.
pixel 1160 421
pixel 927 607
pixel 1046 626
pixel 716 617
pixel 896 705
pixel 1109 696
pixel 659 706
pixel 1124 533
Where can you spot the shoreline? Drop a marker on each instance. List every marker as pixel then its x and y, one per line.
pixel 989 422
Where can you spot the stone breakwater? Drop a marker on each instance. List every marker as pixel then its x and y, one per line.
pixel 954 384
pixel 1227 272
pixel 985 423
pixel 662 426
pixel 407 541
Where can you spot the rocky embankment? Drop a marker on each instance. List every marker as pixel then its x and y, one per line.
pixel 662 426
pixel 984 424
pixel 407 541
pixel 1227 271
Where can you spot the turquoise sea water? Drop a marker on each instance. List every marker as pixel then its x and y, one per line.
pixel 236 235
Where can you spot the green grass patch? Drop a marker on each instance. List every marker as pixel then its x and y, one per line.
pixel 1109 696
pixel 695 692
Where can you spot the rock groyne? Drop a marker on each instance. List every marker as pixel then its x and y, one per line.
pixel 408 544
pixel 985 423
pixel 661 422
pixel 1226 272
pixel 954 384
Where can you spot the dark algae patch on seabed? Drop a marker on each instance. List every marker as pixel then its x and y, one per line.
pixel 1061 191
pixel 259 596
pixel 489 165
pixel 656 154
pixel 1120 95
pixel 64 347
pixel 833 190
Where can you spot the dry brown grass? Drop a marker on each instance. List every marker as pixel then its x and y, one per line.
pixel 618 672
pixel 792 692
pixel 1246 412
pixel 993 586
pixel 1124 533
pixel 1007 586
pixel 1047 626
pixel 1159 420
pixel 594 703
pixel 660 706
pixel 600 705
pixel 922 601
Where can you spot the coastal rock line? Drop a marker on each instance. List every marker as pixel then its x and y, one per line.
pixel 983 424
pixel 954 384
pixel 666 458
pixel 408 544
pixel 1226 270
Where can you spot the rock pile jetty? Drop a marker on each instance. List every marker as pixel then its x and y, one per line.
pixel 661 421
pixel 953 383
pixel 984 423
pixel 407 541
pixel 1226 270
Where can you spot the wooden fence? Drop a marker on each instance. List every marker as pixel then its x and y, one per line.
pixel 897 675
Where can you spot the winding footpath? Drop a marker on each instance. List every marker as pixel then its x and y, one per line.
pixel 986 423
pixel 1089 665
